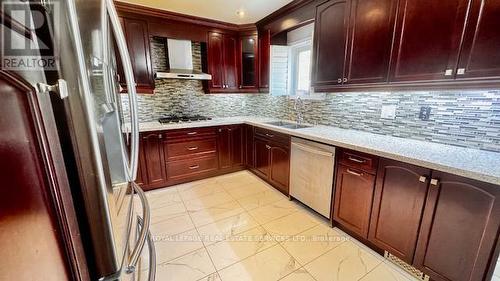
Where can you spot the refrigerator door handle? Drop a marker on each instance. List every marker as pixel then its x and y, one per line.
pixel 129 77
pixel 143 236
pixel 152 251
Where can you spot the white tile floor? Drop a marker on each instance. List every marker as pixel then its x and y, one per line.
pixel 237 227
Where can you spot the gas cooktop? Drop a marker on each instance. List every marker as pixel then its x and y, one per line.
pixel 182 118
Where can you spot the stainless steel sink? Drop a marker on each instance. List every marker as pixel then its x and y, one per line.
pixel 288 125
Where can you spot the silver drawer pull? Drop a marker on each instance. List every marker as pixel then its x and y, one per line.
pixel 268 146
pixel 356 160
pixel 269 135
pixel 354 173
pixel 423 179
pixel 192 133
pixel 192 148
pixel 194 167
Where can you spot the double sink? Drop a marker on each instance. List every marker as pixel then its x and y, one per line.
pixel 288 125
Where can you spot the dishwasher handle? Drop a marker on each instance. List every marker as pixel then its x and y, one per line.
pixel 312 149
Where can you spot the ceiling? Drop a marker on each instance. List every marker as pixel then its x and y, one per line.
pixel 222 10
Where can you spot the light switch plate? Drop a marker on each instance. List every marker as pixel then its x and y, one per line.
pixel 388 112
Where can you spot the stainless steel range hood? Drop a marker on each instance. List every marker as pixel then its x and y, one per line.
pixel 180 62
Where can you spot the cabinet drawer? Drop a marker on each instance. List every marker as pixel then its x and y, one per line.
pixel 191 148
pixel 191 167
pixel 365 162
pixel 191 133
pixel 272 135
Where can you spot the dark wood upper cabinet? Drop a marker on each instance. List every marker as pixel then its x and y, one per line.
pixel 330 43
pixel 264 59
pixel 353 199
pixel 223 62
pixel 398 205
pixel 371 30
pixel 154 158
pixel 231 62
pixel 459 229
pixel 427 41
pixel 248 62
pixel 216 60
pixel 480 56
pixel 137 37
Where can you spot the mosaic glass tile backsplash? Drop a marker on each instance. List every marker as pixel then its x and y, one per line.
pixel 463 118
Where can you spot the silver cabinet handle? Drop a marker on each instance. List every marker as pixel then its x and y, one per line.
pixel 354 173
pixel 448 72
pixel 270 135
pixel 435 182
pixel 268 146
pixel 339 80
pixel 160 136
pixel 152 250
pixel 194 167
pixel 461 71
pixel 129 77
pixel 192 133
pixel 146 216
pixel 345 80
pixel 192 148
pixel 356 160
pixel 423 179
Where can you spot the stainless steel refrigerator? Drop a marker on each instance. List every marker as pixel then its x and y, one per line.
pixel 102 153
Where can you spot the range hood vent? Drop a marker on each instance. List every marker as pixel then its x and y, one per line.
pixel 180 62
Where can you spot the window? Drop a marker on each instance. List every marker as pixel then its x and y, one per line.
pixel 300 69
pixel 291 65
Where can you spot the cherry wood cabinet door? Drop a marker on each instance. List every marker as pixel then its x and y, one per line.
pixel 262 157
pixel 216 60
pixel 279 173
pixel 353 199
pixel 398 205
pixel 459 229
pixel 427 41
pixel 264 59
pixel 142 177
pixel 154 158
pixel 330 43
pixel 249 136
pixel 224 144
pixel 231 62
pixel 480 56
pixel 137 36
pixel 237 146
pixel 371 30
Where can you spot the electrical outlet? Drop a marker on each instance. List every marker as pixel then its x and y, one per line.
pixel 388 112
pixel 425 113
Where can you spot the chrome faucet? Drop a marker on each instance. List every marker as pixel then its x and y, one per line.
pixel 299 107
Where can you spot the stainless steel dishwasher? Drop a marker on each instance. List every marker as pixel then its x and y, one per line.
pixel 311 174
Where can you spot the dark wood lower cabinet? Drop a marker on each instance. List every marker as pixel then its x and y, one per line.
pixel 459 229
pixel 397 207
pixel 231 147
pixel 353 199
pixel 154 159
pixel 279 172
pixel 249 153
pixel 262 157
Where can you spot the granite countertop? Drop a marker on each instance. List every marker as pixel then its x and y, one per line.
pixel 471 163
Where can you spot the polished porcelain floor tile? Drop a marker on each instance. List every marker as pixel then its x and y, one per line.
pixel 299 275
pixel 225 228
pixel 190 267
pixel 216 213
pixel 260 199
pixel 273 211
pixel 271 264
pixel 285 227
pixel 237 227
pixel 208 201
pixel 347 262
pixel 239 247
pixel 314 242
